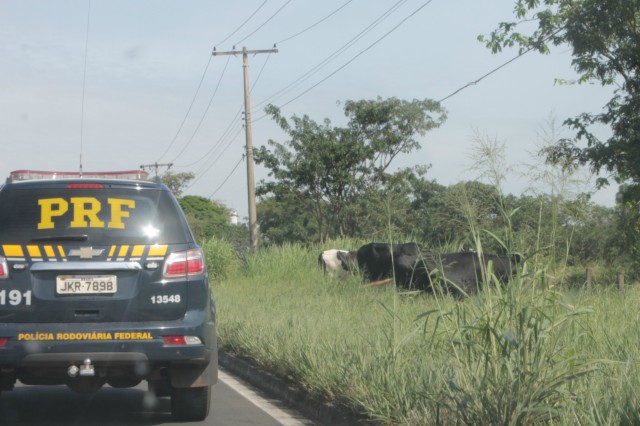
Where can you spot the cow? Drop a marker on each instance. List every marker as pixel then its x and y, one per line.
pixel 337 262
pixel 416 269
pixel 463 272
pixel 379 262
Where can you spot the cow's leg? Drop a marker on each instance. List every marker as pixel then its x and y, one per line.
pixel 379 283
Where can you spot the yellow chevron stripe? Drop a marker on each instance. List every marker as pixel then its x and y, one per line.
pixel 123 251
pixel 158 250
pixel 34 251
pixel 12 251
pixel 137 251
pixel 49 251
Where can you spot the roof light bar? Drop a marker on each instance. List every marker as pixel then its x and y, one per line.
pixel 22 175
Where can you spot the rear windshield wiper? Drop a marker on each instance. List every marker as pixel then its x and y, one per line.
pixel 70 237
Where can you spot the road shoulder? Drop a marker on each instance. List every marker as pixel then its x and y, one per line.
pixel 291 395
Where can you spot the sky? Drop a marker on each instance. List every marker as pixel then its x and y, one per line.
pixel 112 85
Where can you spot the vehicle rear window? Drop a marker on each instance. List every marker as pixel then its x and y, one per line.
pixel 105 216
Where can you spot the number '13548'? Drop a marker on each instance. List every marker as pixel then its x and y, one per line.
pixel 15 297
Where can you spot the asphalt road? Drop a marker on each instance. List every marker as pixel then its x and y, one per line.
pixel 234 403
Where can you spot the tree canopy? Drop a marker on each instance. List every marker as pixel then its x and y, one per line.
pixel 176 182
pixel 604 36
pixel 328 169
pixel 205 217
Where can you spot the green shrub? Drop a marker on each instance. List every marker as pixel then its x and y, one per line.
pixel 221 259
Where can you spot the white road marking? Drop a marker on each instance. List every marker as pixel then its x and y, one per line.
pixel 283 416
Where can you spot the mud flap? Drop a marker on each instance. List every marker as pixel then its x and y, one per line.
pixel 195 375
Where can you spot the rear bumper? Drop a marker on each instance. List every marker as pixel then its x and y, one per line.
pixel 42 344
pixel 41 354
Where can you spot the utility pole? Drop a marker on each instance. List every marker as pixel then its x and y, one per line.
pixel 155 166
pixel 251 190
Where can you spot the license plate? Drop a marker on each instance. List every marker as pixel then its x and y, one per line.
pixel 86 284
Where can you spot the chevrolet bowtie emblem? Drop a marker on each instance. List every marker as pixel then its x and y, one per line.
pixel 86 252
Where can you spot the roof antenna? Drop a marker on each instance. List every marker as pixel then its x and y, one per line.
pixel 84 81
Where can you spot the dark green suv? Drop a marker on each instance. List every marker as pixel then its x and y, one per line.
pixel 101 282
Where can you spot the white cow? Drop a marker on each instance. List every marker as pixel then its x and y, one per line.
pixel 337 262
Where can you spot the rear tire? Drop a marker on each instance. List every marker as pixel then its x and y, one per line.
pixel 160 387
pixel 190 404
pixel 124 382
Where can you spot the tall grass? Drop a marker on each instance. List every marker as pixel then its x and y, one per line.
pixel 529 352
pixel 221 259
pixel 525 353
pixel 513 360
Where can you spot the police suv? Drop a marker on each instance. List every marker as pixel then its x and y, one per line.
pixel 101 282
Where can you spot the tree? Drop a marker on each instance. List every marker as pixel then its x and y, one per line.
pixel 326 169
pixel 605 39
pixel 396 210
pixel 284 219
pixel 205 217
pixel 427 205
pixel 177 181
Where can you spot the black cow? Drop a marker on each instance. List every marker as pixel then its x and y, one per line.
pixel 461 273
pixel 379 261
pixel 457 273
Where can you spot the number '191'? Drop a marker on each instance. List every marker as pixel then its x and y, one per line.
pixel 15 297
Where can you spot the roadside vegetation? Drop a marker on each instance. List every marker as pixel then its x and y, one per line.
pixel 557 345
pixel 528 352
pixel 546 348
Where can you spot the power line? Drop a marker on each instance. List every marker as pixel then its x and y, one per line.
pixel 351 60
pixel 203 171
pixel 264 23
pixel 234 121
pixel 227 178
pixel 315 24
pixel 241 25
pixel 200 83
pixel 333 55
pixel 193 100
pixel 472 83
pixel 356 56
pixel 200 175
pixel 209 153
pixel 357 37
pixel 204 113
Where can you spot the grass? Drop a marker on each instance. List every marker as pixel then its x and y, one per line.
pixel 526 353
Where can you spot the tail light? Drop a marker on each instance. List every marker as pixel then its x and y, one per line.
pixel 4 268
pixel 184 264
pixel 181 340
pixel 3 341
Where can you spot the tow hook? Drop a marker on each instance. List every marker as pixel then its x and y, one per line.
pixel 85 370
